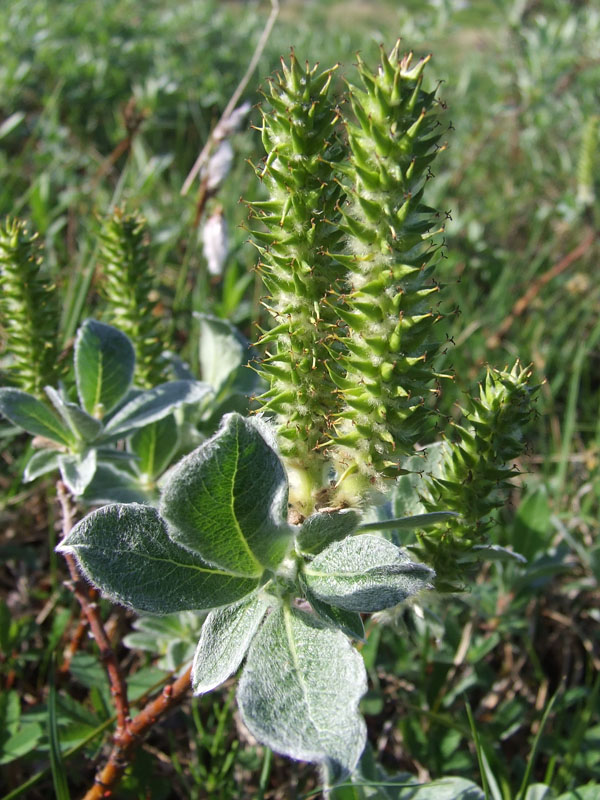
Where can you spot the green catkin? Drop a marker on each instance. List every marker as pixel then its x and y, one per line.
pixel 127 288
pixel 29 308
pixel 475 472
pixel 299 135
pixel 389 306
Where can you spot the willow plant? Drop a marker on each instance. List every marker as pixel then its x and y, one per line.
pixel 387 304
pixel 349 262
pixel 473 478
pixel 263 526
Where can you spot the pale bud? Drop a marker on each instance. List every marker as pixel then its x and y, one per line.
pixel 218 166
pixel 232 123
pixel 215 241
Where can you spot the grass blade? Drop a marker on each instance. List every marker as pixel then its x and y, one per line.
pixel 533 754
pixel 59 775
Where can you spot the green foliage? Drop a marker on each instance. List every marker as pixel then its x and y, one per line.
pixel 224 641
pixel 308 711
pixel 588 159
pixel 79 436
pixel 129 553
pixel 220 541
pixel 18 736
pixel 212 506
pixel 173 636
pixel 364 573
pixel 28 309
pixel 127 284
pixel 522 92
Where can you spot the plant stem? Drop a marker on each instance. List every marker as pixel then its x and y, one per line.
pixel 233 100
pixel 90 608
pixel 131 737
pixel 128 733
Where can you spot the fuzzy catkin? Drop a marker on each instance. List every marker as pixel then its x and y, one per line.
pixel 475 472
pixel 389 304
pixel 29 307
pixel 301 143
pixel 127 288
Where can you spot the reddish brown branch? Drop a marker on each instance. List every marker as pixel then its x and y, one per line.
pixel 129 732
pixel 120 756
pixel 87 600
pixel 524 302
pixel 75 643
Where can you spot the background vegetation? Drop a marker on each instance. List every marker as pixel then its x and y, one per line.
pixel 106 104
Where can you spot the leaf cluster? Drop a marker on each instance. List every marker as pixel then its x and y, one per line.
pixel 284 597
pixel 77 437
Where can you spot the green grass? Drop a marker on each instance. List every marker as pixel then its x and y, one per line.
pixel 521 85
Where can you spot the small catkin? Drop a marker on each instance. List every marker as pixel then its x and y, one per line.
pixel 127 287
pixel 475 472
pixel 301 143
pixel 29 310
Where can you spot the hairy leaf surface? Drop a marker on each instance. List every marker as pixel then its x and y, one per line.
pixel 154 404
pixel 365 573
pixel 350 622
pixel 300 689
pixel 104 364
pixel 222 351
pixel 40 463
pixel 29 413
pixel 126 551
pixel 226 501
pixel 325 527
pixel 83 426
pixel 225 638
pixel 154 446
pixel 78 471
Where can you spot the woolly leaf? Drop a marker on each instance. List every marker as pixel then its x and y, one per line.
pixel 104 364
pixel 33 416
pixel 225 638
pixel 83 426
pixel 365 573
pixel 113 485
pixel 40 463
pixel 77 471
pixel 222 351
pixel 154 404
pixel 154 446
pixel 227 500
pixel 350 622
pixel 325 527
pixel 126 551
pixel 300 689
